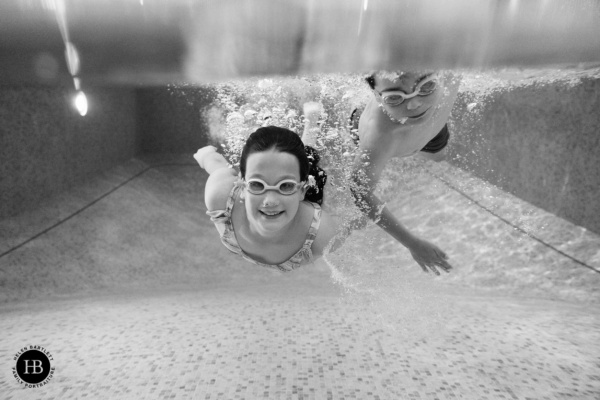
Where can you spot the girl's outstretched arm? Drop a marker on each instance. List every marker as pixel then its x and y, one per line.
pixel 312 113
pixel 210 160
pixel 221 180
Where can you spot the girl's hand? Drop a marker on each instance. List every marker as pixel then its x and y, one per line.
pixel 429 256
pixel 201 154
pixel 312 111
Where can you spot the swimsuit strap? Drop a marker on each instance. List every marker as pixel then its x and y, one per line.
pixel 314 226
pixel 228 234
pixel 232 196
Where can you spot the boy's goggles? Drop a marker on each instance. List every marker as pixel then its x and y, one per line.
pixel 397 97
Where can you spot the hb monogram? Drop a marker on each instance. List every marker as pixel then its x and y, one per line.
pixel 36 366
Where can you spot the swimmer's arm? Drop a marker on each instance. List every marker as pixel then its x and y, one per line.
pixel 367 169
pixel 312 113
pixel 221 179
pixel 330 236
pixel 208 159
pixel 364 181
pixel 365 177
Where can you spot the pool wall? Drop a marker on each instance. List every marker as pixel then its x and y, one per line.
pixel 46 147
pixel 538 142
pixel 171 120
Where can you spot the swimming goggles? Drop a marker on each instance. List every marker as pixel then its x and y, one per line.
pixel 397 97
pixel 285 187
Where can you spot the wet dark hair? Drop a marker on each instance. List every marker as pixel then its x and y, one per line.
pixel 371 80
pixel 286 141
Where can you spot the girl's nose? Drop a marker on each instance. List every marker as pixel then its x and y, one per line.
pixel 414 103
pixel 270 199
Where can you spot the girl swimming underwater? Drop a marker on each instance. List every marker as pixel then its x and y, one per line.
pixel 269 214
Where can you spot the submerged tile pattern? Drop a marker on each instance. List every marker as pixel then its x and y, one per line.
pixel 235 331
pixel 297 340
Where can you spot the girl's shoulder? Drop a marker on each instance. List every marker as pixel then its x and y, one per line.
pixel 218 187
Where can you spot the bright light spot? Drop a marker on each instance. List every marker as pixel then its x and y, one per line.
pixel 81 103
pixel 366 4
pixel 72 57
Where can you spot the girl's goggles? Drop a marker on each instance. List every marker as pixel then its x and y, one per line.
pixel 285 187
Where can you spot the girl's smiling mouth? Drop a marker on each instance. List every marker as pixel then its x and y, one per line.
pixel 270 214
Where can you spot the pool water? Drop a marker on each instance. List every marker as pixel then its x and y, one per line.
pixel 123 278
pixel 134 296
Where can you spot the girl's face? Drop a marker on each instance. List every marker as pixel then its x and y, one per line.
pixel 272 211
pixel 417 108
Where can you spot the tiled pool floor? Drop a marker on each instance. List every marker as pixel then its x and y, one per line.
pixel 295 339
pixel 135 298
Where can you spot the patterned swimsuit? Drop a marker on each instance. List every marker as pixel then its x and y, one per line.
pixel 222 221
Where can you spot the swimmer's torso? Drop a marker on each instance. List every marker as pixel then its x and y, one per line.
pixel 379 133
pixel 271 252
